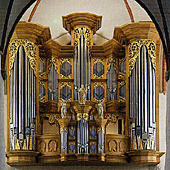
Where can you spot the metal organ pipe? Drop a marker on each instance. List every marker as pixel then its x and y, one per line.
pixel 142 96
pixel 22 100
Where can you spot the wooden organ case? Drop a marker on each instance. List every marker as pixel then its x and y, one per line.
pixel 83 103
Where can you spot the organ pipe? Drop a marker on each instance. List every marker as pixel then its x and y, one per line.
pixel 22 101
pixel 142 90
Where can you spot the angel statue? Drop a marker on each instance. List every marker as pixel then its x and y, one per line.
pixel 82 94
pixel 63 108
pixel 100 108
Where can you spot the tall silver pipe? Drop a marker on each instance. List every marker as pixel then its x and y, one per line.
pixel 151 94
pixel 75 68
pixel 139 93
pixel 20 88
pixel 86 61
pixel 14 94
pixel 52 78
pixel 26 91
pixel 145 91
pixel 11 94
pixel 142 88
pixel 78 137
pixel 32 93
pixel 82 56
pixel 78 66
pixel 136 92
pixel 154 96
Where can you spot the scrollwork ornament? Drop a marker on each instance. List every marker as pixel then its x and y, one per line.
pixel 109 61
pixel 86 33
pixel 134 51
pixel 29 48
pixel 52 119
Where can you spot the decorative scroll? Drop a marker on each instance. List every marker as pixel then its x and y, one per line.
pixel 86 33
pixel 52 118
pixel 29 48
pixel 42 68
pixel 110 60
pixel 134 51
pixel 53 61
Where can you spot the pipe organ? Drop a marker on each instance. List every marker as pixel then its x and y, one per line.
pixel 83 102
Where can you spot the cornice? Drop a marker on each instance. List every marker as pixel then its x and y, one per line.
pixel 110 47
pixel 31 31
pixel 84 19
pixel 138 30
pixel 55 49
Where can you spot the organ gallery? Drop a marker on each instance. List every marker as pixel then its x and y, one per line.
pixel 81 102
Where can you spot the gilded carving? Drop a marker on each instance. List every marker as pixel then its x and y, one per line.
pixel 112 146
pixel 42 146
pixel 122 146
pixel 110 117
pixel 29 48
pixel 134 52
pixel 86 33
pixel 53 118
pixel 52 146
pixel 109 60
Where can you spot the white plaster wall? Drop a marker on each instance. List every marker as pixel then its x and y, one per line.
pixel 113 12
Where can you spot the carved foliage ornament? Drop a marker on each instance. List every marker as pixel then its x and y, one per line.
pixel 86 33
pixel 29 48
pixel 53 119
pixel 109 60
pixel 53 61
pixel 134 52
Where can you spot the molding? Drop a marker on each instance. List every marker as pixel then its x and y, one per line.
pixel 137 30
pixel 55 49
pixel 145 157
pixel 31 31
pixel 83 18
pixel 106 49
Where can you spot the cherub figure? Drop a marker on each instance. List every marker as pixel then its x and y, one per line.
pixel 63 109
pixel 82 94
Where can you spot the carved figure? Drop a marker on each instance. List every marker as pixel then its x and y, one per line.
pixel 122 146
pixel 100 108
pixel 112 146
pixel 82 94
pixel 42 146
pixel 52 146
pixel 63 109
